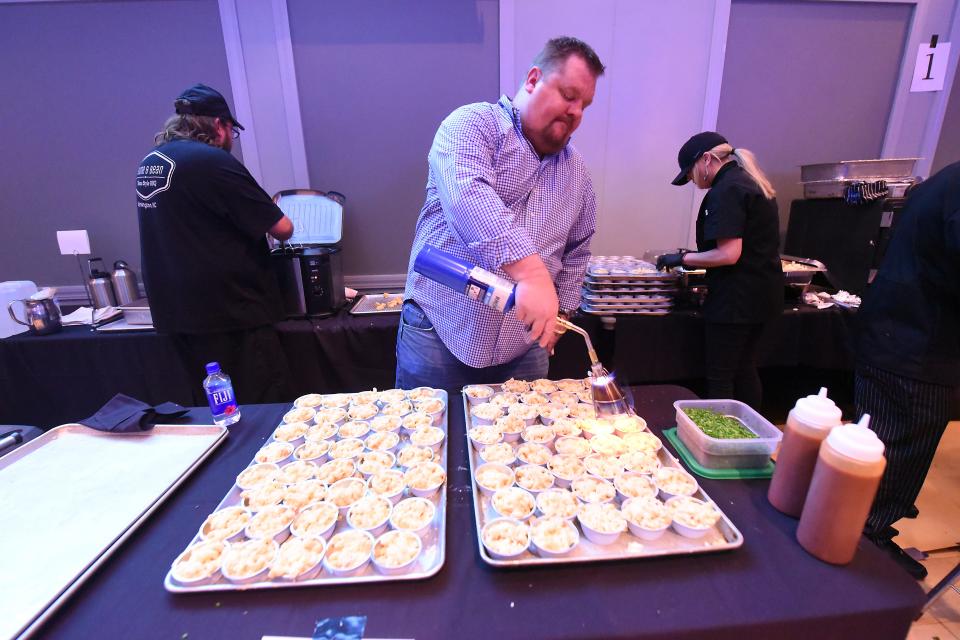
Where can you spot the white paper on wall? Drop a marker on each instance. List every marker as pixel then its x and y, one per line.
pixel 71 242
pixel 931 67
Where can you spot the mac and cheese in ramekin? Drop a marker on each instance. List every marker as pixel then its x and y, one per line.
pixel 296 557
pixel 506 537
pixel 594 490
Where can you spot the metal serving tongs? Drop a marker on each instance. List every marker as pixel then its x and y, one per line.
pixel 608 399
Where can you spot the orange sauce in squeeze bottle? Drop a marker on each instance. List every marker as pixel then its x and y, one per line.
pixel 807 426
pixel 845 482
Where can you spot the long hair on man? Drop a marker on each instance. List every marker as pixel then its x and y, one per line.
pixel 186 126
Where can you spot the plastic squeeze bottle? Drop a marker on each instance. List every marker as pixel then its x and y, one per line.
pixel 845 482
pixel 808 424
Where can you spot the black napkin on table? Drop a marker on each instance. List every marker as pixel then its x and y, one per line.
pixel 123 414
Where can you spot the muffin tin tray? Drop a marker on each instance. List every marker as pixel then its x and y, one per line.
pixel 641 300
pixel 63 486
pixel 723 536
pixel 616 311
pixel 429 563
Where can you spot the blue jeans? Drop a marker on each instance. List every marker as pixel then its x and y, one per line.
pixel 424 361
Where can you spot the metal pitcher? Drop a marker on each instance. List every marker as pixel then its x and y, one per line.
pixel 42 316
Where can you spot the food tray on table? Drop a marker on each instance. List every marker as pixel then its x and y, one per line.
pixel 625 269
pixel 52 546
pixel 607 297
pixel 608 310
pixel 654 289
pixel 378 303
pixel 654 278
pixel 800 270
pixel 626 305
pixel 334 488
pixel 509 473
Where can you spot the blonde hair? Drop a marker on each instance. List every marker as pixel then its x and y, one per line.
pixel 748 161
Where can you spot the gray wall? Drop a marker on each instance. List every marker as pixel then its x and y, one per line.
pixel 85 87
pixel 376 77
pixel 643 109
pixel 807 82
pixel 948 148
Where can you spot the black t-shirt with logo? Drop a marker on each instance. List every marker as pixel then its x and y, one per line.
pixel 751 290
pixel 205 259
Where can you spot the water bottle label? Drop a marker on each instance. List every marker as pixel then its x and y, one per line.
pixel 222 401
pixel 489 288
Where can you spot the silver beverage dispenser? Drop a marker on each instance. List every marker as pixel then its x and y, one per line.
pixel 124 282
pixel 101 291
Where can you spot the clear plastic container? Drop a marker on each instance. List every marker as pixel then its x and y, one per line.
pixel 716 453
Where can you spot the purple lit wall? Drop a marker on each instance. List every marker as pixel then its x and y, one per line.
pixel 375 78
pixel 948 148
pixel 807 82
pixel 85 87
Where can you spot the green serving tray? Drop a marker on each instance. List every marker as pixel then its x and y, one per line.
pixel 714 474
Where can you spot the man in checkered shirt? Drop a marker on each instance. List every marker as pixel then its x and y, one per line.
pixel 506 192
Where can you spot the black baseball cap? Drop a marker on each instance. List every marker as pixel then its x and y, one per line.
pixel 201 100
pixel 691 151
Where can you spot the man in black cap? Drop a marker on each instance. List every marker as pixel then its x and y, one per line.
pixel 206 263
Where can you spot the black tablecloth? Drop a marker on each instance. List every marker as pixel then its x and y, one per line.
pixel 49 380
pixel 53 379
pixel 769 588
pixel 663 348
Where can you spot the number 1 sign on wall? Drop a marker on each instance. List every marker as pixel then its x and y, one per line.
pixel 931 67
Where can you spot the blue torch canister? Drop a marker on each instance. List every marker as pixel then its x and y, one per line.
pixel 458 274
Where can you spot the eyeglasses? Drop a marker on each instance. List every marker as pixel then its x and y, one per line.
pixel 234 132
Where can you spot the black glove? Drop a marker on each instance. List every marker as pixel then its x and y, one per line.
pixel 670 260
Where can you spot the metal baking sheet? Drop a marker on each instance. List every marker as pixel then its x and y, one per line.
pixel 367 304
pixel 628 547
pixel 71 497
pixel 123 324
pixel 431 558
pixel 859 169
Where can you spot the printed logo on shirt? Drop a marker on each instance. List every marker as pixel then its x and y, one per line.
pixel 706 212
pixel 155 174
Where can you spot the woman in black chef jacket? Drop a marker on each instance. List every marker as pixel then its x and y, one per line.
pixel 738 241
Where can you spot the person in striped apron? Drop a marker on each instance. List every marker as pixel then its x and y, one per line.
pixel 908 350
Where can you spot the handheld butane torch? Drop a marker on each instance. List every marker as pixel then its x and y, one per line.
pixel 500 294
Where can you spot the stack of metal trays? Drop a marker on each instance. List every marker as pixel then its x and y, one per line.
pixel 626 285
pixel 888 177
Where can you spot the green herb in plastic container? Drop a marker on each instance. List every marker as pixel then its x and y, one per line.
pixel 718 426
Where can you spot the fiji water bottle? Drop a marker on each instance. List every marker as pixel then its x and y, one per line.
pixel 223 404
pixel 458 274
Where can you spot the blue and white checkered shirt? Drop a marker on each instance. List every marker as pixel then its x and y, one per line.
pixel 491 200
